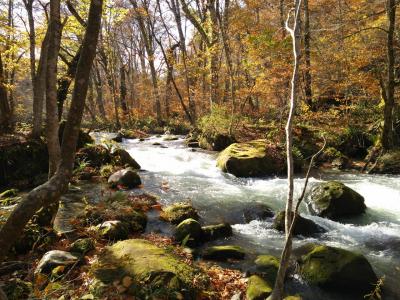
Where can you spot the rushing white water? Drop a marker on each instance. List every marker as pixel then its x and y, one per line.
pixel 177 173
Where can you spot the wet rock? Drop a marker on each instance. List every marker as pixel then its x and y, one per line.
pixel 222 253
pixel 155 272
pixel 257 211
pixel 135 220
pixel 170 138
pixel 389 163
pixel 94 156
pixel 178 212
pixel 118 138
pixel 214 232
pixel 121 157
pixel 82 246
pixel 335 268
pixel 113 230
pixel 303 226
pixel 53 259
pixel 267 267
pixel 258 288
pixel 252 159
pixel 189 231
pixel 215 141
pixel 335 200
pixel 127 178
pixel 341 163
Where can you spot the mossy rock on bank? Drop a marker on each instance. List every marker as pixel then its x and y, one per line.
pixel 222 253
pixel 83 139
pixel 334 200
pixel 215 141
pixel 154 270
pixel 94 155
pixel 121 157
pixel 335 268
pixel 178 212
pixel 252 159
pixel 112 230
pixel 389 163
pixel 258 288
pixel 126 178
pixel 23 164
pixel 267 267
pixel 82 246
pixel 53 259
pixel 17 289
pixel 303 226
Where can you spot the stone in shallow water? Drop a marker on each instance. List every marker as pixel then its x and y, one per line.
pixel 127 177
pixel 258 288
pixel 214 232
pixel 178 212
pixel 257 211
pixel 303 226
pixel 190 231
pixel 222 253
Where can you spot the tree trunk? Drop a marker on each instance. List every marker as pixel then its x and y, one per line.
pixel 99 93
pixel 123 91
pixel 388 132
pixel 277 293
pixel 32 40
pixel 307 56
pixel 5 110
pixel 39 88
pixel 49 192
pixel 52 125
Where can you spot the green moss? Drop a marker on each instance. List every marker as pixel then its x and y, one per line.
pixel 223 252
pixel 146 263
pixel 334 199
pixel 336 268
pixel 258 288
pixel 255 158
pixel 82 246
pixel 9 193
pixel 213 232
pixel 189 231
pixel 178 212
pixel 268 266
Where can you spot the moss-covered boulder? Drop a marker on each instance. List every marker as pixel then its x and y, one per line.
pixel 121 157
pixel 94 156
pixel 257 211
pixel 303 226
pixel 335 268
pixel 189 231
pixel 170 137
pixel 126 178
pixel 252 159
pixel 155 272
pixel 267 267
pixel 136 220
pixel 214 232
pixel 215 141
pixel 389 163
pixel 258 288
pixel 82 246
pixel 112 230
pixel 335 200
pixel 178 212
pixel 222 253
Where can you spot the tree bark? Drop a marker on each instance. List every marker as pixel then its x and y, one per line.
pixel 123 90
pixel 277 293
pixel 52 125
pixel 49 192
pixel 5 110
pixel 307 56
pixel 388 132
pixel 39 88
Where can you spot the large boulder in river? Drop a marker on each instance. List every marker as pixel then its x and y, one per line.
pixel 214 232
pixel 252 159
pixel 334 200
pixel 155 272
pixel 257 211
pixel 389 163
pixel 215 141
pixel 303 226
pixel 178 212
pixel 127 178
pixel 335 268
